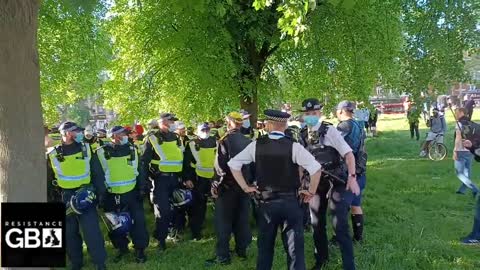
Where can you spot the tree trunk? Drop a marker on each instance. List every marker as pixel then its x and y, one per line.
pixel 250 104
pixel 22 158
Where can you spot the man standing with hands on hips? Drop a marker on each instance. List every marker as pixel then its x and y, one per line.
pixel 277 160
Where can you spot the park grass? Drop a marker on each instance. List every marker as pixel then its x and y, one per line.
pixel 413 218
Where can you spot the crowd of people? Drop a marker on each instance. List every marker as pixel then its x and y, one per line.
pixel 290 174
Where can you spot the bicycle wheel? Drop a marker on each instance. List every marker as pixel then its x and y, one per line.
pixel 437 151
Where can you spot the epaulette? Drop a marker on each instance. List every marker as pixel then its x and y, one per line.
pixel 223 137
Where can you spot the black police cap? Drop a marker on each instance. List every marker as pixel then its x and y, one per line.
pixel 168 116
pixel 69 126
pixel 311 104
pixel 276 115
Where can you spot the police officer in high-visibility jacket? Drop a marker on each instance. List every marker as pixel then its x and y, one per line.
pixel 163 158
pixel 73 166
pixel 125 191
pixel 198 172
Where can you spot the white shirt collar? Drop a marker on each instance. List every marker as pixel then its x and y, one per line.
pixel 275 135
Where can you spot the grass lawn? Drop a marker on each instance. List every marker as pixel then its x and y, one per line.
pixel 413 218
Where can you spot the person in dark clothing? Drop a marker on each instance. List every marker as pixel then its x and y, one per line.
pixel 163 158
pixel 126 187
pixel 469 105
pixel 232 205
pixel 337 186
pixel 73 166
pixel 355 137
pixel 198 173
pixel 277 160
pixel 413 116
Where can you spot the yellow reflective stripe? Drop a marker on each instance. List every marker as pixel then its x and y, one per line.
pixel 106 169
pixel 195 153
pixel 158 149
pixel 103 161
pixel 196 156
pixel 58 167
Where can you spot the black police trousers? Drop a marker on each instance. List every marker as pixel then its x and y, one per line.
pixel 198 209
pixel 339 202
pixel 232 208
pixel 284 212
pixel 163 186
pixel 132 203
pixel 88 222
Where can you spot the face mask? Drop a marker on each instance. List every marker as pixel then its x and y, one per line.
pixel 203 135
pixel 124 140
pixel 246 123
pixel 311 120
pixel 79 137
pixel 172 128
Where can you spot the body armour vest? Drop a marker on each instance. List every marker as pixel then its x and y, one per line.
pixel 314 142
pixel 275 169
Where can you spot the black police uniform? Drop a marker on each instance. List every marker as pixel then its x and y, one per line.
pixel 278 178
pixel 332 193
pixel 201 187
pixel 163 186
pixel 277 160
pixel 232 205
pixel 131 202
pixel 88 221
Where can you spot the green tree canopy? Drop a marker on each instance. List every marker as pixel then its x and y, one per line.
pixel 73 48
pixel 202 58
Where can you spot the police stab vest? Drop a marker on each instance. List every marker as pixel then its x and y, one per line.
pixel 71 171
pixel 170 154
pixel 327 156
pixel 204 158
pixel 275 170
pixel 120 172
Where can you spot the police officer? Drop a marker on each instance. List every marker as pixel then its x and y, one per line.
pixel 73 166
pixel 125 191
pixel 232 204
pixel 99 139
pixel 338 184
pixel 247 128
pixel 354 135
pixel 182 133
pixel 277 159
pixel 163 158
pixel 198 173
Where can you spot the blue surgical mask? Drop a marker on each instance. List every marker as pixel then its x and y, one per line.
pixel 79 137
pixel 311 120
pixel 124 140
pixel 172 127
pixel 246 123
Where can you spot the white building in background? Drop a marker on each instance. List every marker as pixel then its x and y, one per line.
pixel 100 117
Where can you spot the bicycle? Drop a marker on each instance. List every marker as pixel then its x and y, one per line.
pixel 436 150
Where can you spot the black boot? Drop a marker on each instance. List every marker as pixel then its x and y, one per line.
pixel 242 253
pixel 120 255
pixel 357 225
pixel 140 255
pixel 217 261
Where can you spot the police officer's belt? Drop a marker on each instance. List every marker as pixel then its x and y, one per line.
pixel 166 174
pixel 273 195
